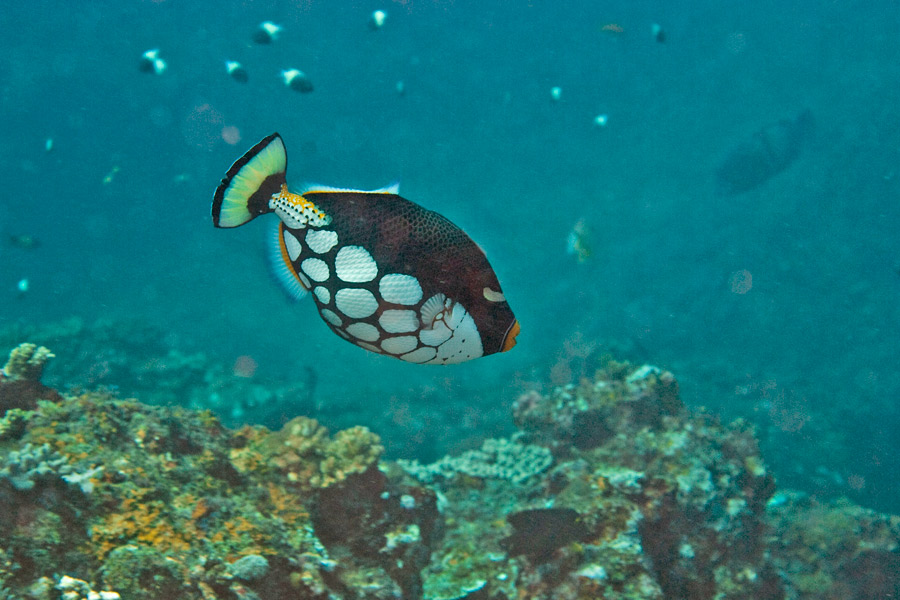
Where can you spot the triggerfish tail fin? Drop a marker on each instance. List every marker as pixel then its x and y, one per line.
pixel 249 184
pixel 281 249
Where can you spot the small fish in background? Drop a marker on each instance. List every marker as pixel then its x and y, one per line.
pixel 658 33
pixel 297 81
pixel 48 145
pixel 108 178
pixel 377 19
pixel 765 154
pixel 578 243
pixel 151 63
pixel 236 71
pixel 266 33
pixel 386 274
pixel 23 241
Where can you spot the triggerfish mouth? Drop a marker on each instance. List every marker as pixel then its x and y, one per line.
pixel 386 274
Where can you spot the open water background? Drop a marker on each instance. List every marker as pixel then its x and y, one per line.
pixel 810 351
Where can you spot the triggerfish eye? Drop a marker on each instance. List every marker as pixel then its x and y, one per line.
pixel 386 274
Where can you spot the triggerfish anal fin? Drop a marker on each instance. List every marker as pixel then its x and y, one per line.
pixel 281 248
pixel 249 184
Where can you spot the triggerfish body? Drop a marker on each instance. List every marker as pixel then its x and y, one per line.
pixel 385 273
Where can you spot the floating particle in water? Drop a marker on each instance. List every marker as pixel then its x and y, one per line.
pixel 231 135
pixel 555 93
pixel 202 127
pixel 658 34
pixel 244 366
pixel 741 281
pixel 736 42
pixel 601 120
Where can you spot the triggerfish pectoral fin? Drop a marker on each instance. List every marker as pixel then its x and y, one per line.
pixel 249 184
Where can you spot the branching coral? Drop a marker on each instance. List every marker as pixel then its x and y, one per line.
pixel 26 362
pixel 497 459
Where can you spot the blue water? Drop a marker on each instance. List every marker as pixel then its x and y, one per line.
pixel 809 352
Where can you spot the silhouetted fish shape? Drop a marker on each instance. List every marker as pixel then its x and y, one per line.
pixel 768 152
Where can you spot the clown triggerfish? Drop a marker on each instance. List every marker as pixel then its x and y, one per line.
pixel 385 273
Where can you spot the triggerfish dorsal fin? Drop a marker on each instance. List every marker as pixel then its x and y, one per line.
pixel 250 182
pixel 283 249
pixel 393 188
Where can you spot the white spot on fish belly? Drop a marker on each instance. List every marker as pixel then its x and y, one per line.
pixel 321 241
pixel 399 321
pixel 354 264
pixel 400 344
pixel 293 245
pixel 400 289
pixel 322 294
pixel 316 269
pixel 363 331
pixel 331 317
pixel 419 356
pixel 355 303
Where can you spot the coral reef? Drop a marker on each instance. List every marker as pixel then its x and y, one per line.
pixel 138 360
pixel 610 489
pixel 835 550
pixel 497 458
pixel 26 361
pixel 20 378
